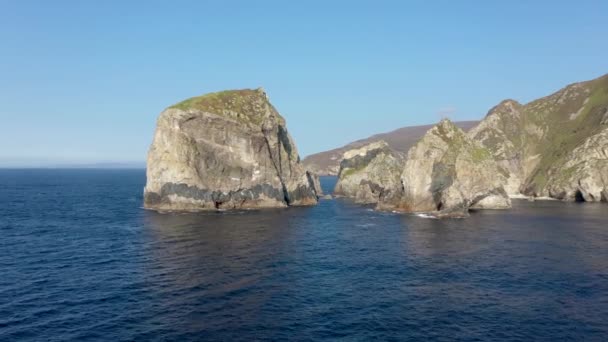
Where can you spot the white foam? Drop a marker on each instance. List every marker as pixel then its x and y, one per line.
pixel 426 216
pixel 545 198
pixel 532 198
pixel 518 196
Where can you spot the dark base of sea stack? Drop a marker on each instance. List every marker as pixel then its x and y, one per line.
pixel 175 197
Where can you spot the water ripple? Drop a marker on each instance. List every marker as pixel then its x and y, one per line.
pixel 80 260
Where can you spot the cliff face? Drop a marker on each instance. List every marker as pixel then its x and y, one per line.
pixel 400 140
pixel 367 172
pixel 447 173
pixel 554 146
pixel 222 151
pixel 583 175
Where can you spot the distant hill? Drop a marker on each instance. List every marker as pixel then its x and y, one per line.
pixel 401 139
pixel 51 164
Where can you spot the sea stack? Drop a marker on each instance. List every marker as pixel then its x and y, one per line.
pixel 446 174
pixel 367 172
pixel 225 150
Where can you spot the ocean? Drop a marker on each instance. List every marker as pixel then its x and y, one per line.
pixel 80 260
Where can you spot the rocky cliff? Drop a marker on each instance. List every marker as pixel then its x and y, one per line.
pixel 555 146
pixel 367 172
pixel 225 150
pixel 400 140
pixel 447 173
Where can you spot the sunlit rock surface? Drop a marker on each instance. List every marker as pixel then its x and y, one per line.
pixel 555 146
pixel 225 150
pixel 447 173
pixel 366 172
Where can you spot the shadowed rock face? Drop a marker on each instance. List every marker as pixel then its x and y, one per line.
pixel 447 173
pixel 554 146
pixel 367 172
pixel 225 150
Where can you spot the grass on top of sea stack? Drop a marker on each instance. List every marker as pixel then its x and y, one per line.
pixel 244 105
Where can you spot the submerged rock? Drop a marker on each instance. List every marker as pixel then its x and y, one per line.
pixel 225 150
pixel 366 172
pixel 447 173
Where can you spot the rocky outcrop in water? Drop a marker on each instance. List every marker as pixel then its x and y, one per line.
pixel 400 140
pixel 225 150
pixel 555 146
pixel 446 173
pixel 367 172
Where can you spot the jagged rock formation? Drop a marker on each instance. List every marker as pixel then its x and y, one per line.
pixel 366 172
pixel 400 140
pixel 316 183
pixel 331 168
pixel 555 146
pixel 225 150
pixel 583 176
pixel 447 173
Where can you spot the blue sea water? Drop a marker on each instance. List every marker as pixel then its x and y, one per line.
pixel 80 260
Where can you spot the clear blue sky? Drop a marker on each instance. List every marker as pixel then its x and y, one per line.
pixel 83 81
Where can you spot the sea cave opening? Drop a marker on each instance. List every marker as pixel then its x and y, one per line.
pixel 578 196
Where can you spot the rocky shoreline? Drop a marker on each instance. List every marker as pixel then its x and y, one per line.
pixel 554 148
pixel 232 150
